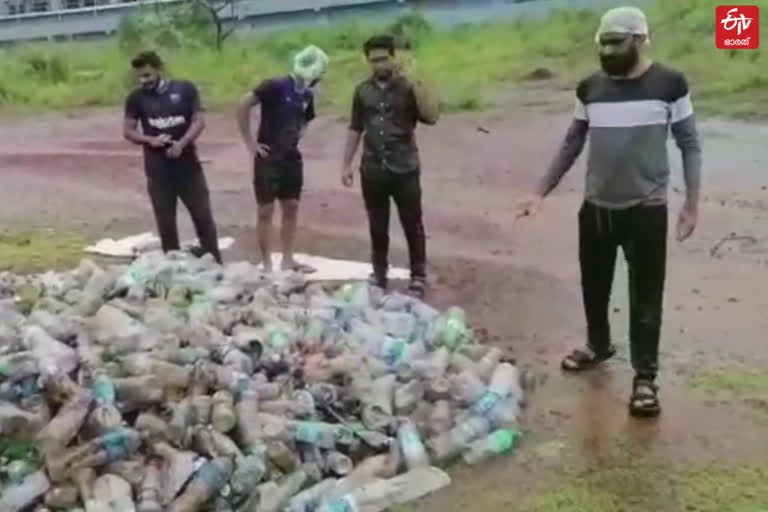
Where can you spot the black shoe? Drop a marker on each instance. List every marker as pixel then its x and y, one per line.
pixel 417 287
pixel 378 281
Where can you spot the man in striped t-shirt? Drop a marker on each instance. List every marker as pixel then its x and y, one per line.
pixel 627 111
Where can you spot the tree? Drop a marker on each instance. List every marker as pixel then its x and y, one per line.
pixel 216 9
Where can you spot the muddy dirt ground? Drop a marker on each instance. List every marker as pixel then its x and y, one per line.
pixel 519 280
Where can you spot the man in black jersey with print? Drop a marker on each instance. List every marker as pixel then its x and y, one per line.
pixel 164 116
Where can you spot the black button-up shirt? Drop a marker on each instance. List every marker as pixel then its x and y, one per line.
pixel 387 115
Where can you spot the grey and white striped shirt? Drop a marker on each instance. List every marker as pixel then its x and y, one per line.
pixel 627 122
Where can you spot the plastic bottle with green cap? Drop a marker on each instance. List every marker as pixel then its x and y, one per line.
pixel 103 389
pixel 497 443
pixel 277 340
pixel 454 329
pixel 346 292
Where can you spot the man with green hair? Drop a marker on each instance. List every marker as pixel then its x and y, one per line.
pixel 287 107
pixel 627 110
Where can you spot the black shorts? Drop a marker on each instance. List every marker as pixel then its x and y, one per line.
pixel 277 180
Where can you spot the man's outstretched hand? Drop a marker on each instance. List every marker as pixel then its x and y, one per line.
pixel 347 177
pixel 528 206
pixel 686 222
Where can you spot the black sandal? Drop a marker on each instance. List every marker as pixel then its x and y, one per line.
pixel 580 360
pixel 377 281
pixel 644 402
pixel 417 288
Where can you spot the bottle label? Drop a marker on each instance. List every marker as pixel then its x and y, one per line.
pixel 277 340
pixel 504 440
pixel 210 475
pixel 411 438
pixel 486 403
pixel 115 445
pixel 344 504
pixel 395 351
pixel 188 356
pixel 104 390
pixel 308 432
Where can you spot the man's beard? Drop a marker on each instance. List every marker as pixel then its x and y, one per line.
pixel 383 74
pixel 151 86
pixel 620 64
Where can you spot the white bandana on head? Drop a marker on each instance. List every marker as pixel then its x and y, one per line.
pixel 624 20
pixel 310 63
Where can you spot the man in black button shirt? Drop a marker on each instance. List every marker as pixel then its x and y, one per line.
pixel 287 106
pixel 169 114
pixel 386 108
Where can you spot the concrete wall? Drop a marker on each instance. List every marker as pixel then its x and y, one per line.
pixel 103 20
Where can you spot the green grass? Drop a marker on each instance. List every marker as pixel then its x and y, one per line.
pixel 468 63
pixel 628 482
pixel 732 379
pixel 660 488
pixel 28 250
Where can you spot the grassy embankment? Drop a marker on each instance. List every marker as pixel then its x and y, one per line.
pixel 468 63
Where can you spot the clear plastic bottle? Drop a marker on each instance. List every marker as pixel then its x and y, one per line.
pixel 135 392
pixel 414 452
pixel 113 446
pixel 452 443
pixel 250 471
pixel 247 412
pixel 323 435
pixel 149 497
pixel 408 396
pixel 309 499
pixel 63 496
pixel 453 333
pixel 499 442
pixel 65 425
pixel 178 468
pixel 338 464
pixel 115 491
pixel 105 416
pixel 488 363
pixel 378 495
pixel 151 425
pixel 441 418
pixel 17 497
pixel 208 480
pixel 223 414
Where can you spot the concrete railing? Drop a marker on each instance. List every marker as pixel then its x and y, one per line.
pixel 103 20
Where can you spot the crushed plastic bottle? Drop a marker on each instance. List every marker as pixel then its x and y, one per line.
pixel 209 479
pixel 452 331
pixel 17 497
pixel 497 443
pixel 150 495
pixel 414 452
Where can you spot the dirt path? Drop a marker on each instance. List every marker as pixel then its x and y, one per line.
pixel 520 281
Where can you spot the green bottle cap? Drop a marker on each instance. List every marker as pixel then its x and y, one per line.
pixel 504 440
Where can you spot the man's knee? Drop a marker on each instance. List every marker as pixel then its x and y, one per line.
pixel 290 207
pixel 266 211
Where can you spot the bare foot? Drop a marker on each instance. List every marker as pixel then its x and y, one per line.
pixel 297 267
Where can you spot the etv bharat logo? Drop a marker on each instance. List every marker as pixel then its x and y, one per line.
pixel 738 27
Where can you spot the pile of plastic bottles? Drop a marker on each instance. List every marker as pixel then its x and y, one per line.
pixel 175 384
